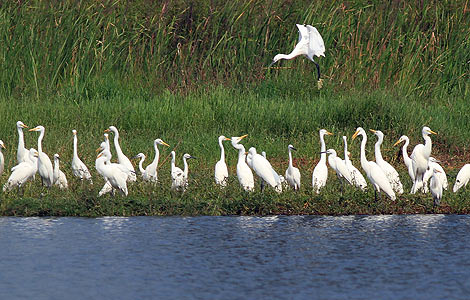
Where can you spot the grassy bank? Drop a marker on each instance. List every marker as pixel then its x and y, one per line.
pixel 272 117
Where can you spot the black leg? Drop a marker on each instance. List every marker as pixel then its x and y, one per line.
pixel 318 69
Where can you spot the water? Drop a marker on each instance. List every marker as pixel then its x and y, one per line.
pixel 353 257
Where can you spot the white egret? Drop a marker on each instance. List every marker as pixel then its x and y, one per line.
pixel 462 177
pixel 23 172
pixel 22 154
pixel 292 173
pixel 150 172
pixel 263 169
pixel 356 176
pixel 179 177
pixel 79 169
pixel 310 44
pixel 45 169
pixel 320 172
pixel 436 187
pixel 59 177
pixel 388 169
pixel 406 158
pixel 115 174
pixel 434 164
pixel 122 159
pixel 375 174
pixel 2 159
pixel 420 159
pixel 244 174
pixel 339 166
pixel 221 171
pixel 261 181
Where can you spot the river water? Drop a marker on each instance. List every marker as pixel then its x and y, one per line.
pixel 279 257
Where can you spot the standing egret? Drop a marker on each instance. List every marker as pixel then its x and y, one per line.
pixel 436 187
pixel 23 171
pixel 356 176
pixel 434 164
pixel 122 159
pixel 388 169
pixel 310 44
pixel 59 176
pixel 292 173
pixel 244 174
pixel 115 174
pixel 45 169
pixel 221 171
pixel 150 172
pixel 22 154
pixel 320 172
pixel 79 169
pixel 263 169
pixel 420 158
pixel 179 177
pixel 375 174
pixel 406 158
pixel 339 166
pixel 462 178
pixel 2 159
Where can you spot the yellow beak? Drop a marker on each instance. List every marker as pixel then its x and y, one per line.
pixel 165 144
pixel 329 133
pixel 398 142
pixel 355 134
pixel 372 130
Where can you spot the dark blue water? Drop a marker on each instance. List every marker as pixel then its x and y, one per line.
pixel 354 257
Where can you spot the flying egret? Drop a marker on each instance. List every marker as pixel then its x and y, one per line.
pixel 434 164
pixel 22 154
pixel 115 174
pixel 45 169
pixel 221 171
pixel 263 169
pixel 356 176
pixel 375 174
pixel 388 169
pixel 2 159
pixel 59 177
pixel 436 187
pixel 179 177
pixel 420 158
pixel 310 44
pixel 406 158
pixel 244 174
pixel 150 172
pixel 79 169
pixel 292 173
pixel 122 159
pixel 339 166
pixel 320 172
pixel 462 177
pixel 23 172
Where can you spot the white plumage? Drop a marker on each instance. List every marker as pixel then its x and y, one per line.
pixel 122 159
pixel 292 174
pixel 45 169
pixel 263 169
pixel 244 174
pixel 115 175
pixel 221 170
pixel 339 166
pixel 22 153
pixel 392 174
pixel 320 172
pixel 357 179
pixel 23 172
pixel 406 158
pixel 420 159
pixel 79 169
pixel 462 178
pixel 375 174
pixel 59 177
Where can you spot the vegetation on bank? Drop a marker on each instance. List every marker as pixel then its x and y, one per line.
pixel 189 73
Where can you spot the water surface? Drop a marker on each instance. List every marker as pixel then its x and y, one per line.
pixel 301 257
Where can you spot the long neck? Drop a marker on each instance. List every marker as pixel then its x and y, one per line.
pixel 75 142
pixel 56 167
pixel 185 171
pixel 363 152
pixel 141 168
pixel 427 145
pixel 222 150
pixel 157 155
pixel 290 158
pixel 116 144
pixel 288 56
pixel 404 150
pixel 20 139
pixel 378 154
pixel 241 152
pixel 173 160
pixel 41 135
pixel 322 148
pixel 346 157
